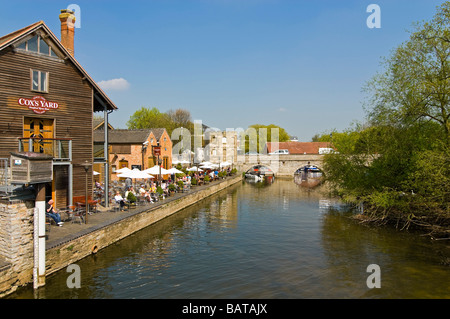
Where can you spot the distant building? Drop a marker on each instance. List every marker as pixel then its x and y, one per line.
pixel 296 148
pixel 293 138
pixel 135 148
pixel 222 146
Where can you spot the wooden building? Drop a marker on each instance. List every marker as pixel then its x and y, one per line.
pixel 134 148
pixel 47 102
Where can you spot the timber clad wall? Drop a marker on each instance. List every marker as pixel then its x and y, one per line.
pixel 73 118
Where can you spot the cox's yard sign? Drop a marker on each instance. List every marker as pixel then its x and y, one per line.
pixel 38 104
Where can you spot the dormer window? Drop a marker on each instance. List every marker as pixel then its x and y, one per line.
pixel 38 45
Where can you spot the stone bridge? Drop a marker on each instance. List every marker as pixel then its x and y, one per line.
pixel 281 165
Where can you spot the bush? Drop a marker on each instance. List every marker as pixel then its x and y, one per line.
pixel 172 187
pixel 131 197
pixel 193 181
pixel 180 184
pixel 207 178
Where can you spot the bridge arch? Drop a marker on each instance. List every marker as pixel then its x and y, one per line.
pixel 265 168
pixel 312 167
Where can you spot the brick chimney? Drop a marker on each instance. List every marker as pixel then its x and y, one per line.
pixel 67 19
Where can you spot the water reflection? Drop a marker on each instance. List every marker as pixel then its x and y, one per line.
pixel 277 240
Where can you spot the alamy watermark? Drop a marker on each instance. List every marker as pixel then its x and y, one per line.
pixel 374 279
pixel 75 8
pixel 374 19
pixel 73 280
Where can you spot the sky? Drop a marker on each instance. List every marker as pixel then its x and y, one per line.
pixel 299 64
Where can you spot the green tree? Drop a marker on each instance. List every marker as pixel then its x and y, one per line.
pixel 153 118
pixel 398 164
pixel 416 82
pixel 148 118
pixel 256 136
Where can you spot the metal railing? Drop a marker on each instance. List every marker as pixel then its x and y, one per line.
pixel 59 148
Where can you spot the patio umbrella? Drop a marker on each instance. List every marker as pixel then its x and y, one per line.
pixel 194 169
pixel 173 170
pixel 135 174
pixel 123 170
pixel 155 170
pixel 226 163
pixel 95 173
pixel 205 163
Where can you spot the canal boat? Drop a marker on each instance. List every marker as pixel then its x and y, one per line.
pixel 258 173
pixel 308 176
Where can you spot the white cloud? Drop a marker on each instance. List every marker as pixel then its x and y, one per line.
pixel 282 109
pixel 114 84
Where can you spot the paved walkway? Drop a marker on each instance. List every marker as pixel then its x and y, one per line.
pixel 104 217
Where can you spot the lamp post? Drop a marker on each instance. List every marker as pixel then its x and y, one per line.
pixel 86 166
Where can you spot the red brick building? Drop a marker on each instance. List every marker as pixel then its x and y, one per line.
pixel 135 148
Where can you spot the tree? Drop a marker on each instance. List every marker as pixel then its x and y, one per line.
pixel 148 118
pixel 256 136
pixel 153 118
pixel 399 163
pixel 416 83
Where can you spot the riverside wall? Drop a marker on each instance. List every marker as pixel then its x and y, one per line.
pixel 16 264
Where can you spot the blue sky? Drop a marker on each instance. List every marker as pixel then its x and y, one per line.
pixel 232 63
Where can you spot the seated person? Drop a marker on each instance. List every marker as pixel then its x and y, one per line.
pixel 50 212
pixel 119 199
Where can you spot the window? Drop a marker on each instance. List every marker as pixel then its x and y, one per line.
pixel 39 81
pixel 38 45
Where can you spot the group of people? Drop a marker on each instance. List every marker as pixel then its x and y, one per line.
pixel 146 193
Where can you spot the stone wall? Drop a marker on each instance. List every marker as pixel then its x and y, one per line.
pixel 16 244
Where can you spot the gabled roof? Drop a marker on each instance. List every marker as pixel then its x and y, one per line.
pixel 100 98
pixel 297 147
pixel 124 136
pixel 98 124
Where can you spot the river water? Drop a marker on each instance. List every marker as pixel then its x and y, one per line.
pixel 261 241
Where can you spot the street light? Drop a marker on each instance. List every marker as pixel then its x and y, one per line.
pixel 86 166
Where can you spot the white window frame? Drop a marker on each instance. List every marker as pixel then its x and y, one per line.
pixel 39 89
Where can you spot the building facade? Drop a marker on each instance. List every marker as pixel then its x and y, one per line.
pixel 47 102
pixel 135 149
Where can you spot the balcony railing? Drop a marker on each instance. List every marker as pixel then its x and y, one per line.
pixel 59 148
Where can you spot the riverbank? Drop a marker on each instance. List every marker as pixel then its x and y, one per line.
pixel 73 242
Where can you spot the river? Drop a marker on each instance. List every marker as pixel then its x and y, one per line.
pixel 261 241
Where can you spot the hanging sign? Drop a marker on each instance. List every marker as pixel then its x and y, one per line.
pixel 38 104
pixel 156 150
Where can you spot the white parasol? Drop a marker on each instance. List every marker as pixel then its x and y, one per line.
pixel 135 174
pixel 173 170
pixel 155 170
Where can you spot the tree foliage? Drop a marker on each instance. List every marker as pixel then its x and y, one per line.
pixel 256 136
pixel 398 163
pixel 145 118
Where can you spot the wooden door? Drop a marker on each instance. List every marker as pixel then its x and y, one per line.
pixel 42 128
